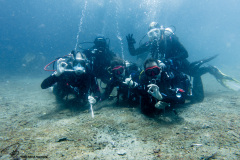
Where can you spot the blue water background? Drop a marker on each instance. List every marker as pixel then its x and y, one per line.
pixel 34 32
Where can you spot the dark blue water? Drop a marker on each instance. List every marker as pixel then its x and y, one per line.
pixel 33 33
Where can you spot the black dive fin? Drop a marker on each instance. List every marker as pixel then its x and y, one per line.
pixel 197 64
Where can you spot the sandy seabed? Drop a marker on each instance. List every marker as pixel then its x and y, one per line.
pixel 34 126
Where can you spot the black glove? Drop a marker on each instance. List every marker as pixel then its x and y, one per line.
pixel 130 39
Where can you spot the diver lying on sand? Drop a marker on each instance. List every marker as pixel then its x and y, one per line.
pixel 72 77
pixel 160 87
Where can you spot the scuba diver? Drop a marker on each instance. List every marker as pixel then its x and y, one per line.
pixel 164 45
pixel 73 77
pixel 160 87
pixel 100 57
pixel 122 73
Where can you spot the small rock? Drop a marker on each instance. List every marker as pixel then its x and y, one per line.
pixel 205 126
pixel 64 139
pixel 122 152
pixel 156 150
pixel 197 145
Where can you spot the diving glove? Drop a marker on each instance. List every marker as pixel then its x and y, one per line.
pixel 91 100
pixel 130 82
pixel 161 105
pixel 154 91
pixel 130 39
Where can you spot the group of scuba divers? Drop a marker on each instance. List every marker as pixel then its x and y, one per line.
pixel 167 77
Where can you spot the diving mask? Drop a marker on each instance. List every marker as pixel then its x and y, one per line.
pixel 159 33
pixel 79 68
pixel 154 33
pixel 118 70
pixel 152 71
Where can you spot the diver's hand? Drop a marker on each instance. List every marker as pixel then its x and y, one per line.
pixel 154 91
pixel 61 66
pixel 91 100
pixel 162 65
pixel 161 105
pixel 130 39
pixel 129 82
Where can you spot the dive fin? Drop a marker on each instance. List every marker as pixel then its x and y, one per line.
pixel 225 80
pixel 197 64
pixel 231 84
pixel 209 59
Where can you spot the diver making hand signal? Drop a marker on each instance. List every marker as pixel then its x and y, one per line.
pixel 154 91
pixel 73 78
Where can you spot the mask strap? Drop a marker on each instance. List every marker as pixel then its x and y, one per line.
pixel 116 68
pixel 152 68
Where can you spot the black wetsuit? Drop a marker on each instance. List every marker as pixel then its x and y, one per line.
pixel 100 61
pixel 172 86
pixel 171 48
pixel 70 83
